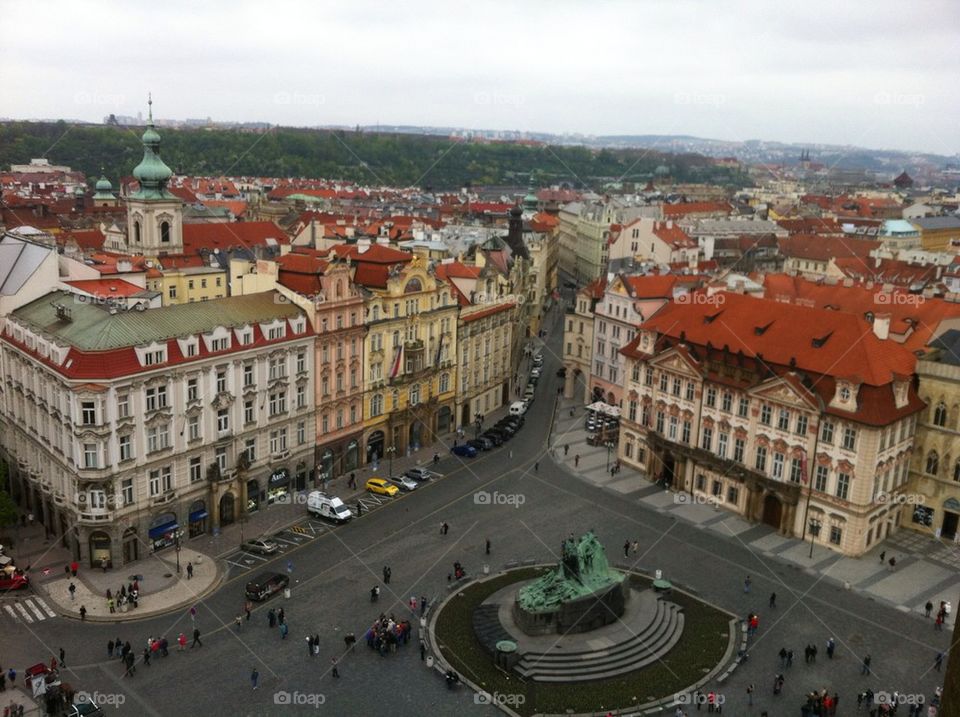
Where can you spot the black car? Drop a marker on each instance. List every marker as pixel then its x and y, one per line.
pixel 506 430
pixel 494 435
pixel 266 584
pixel 515 421
pixel 481 444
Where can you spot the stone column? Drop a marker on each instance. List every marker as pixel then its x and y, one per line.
pixel 569 383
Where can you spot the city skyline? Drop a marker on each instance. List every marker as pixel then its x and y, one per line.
pixel 870 83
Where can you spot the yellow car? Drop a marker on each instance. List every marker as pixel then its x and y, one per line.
pixel 379 485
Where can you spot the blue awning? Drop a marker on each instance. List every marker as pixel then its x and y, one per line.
pixel 161 530
pixel 197 515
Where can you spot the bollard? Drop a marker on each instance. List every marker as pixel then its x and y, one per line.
pixel 286 593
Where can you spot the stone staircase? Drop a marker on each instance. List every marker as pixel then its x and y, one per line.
pixel 620 656
pixel 487 627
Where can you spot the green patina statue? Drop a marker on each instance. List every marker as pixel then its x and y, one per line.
pixel 583 571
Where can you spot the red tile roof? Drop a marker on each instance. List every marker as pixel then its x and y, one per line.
pixel 672 211
pixel 824 248
pixel 106 288
pixel 483 313
pixel 225 236
pixel 457 270
pixel 673 236
pixel 88 240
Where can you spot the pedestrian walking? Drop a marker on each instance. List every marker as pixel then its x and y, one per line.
pixel 74 566
pixel 281 616
pixel 103 564
pixel 189 570
pixel 238 621
pixel 73 591
pixel 111 605
pixel 937 663
pixel 181 642
pixel 566 449
pixel 12 676
pixel 883 555
pixel 865 667
pixel 576 461
pixel 63 658
pixel 271 618
pixel 310 645
pixel 635 547
pixel 773 599
pixel 626 548
pixel 536 467
pixel 423 605
pixel 511 454
pixel 789 658
pixel 446 528
pixel 831 646
pixel 359 509
pixel 750 689
pixel 488 546
pixel 893 563
pixel 783 657
pixel 110 648
pixel 146 656
pixel 247 608
pixel 196 638
pixel 255 678
pixel 283 630
pixel 386 575
pixel 333 667
pixel 83 613
pixel 927 609
pixel 938 623
pixel 746 584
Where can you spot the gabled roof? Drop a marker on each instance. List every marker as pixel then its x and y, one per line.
pixel 824 248
pixel 223 236
pixel 106 288
pixel 672 211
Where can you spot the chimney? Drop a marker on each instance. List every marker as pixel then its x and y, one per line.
pixel 669 224
pixel 363 244
pixel 881 326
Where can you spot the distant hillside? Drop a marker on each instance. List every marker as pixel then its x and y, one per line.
pixel 369 158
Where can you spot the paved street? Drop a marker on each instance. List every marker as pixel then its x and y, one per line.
pixel 535 508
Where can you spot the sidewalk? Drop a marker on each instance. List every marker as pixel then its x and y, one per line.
pixel 926 569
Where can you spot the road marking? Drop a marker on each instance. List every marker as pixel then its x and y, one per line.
pixel 46 608
pixel 23 612
pixel 286 541
pixel 34 609
pixel 10 611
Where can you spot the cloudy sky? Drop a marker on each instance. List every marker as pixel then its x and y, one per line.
pixel 877 74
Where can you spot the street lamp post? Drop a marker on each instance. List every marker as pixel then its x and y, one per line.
pixel 478 422
pixel 815 526
pixel 609 445
pixel 390 451
pixel 177 536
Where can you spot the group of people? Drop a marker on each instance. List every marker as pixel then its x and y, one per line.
pixel 820 704
pixel 127 595
pixel 278 619
pixel 387 634
pixel 155 647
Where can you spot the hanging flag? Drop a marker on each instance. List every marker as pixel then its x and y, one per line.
pixel 803 466
pixel 395 369
pixel 439 351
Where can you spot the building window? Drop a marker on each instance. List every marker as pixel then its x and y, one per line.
pixel 248 374
pixel 123 406
pixel 733 495
pixel 220 456
pixel 801 429
pixel 765 414
pixel 707 443
pixel 192 390
pixel 738 448
pixel 796 470
pixel 659 421
pixel 415 394
pixel 933 463
pixel 843 486
pixel 726 402
pixel 250 450
pixel 88 413
pixel 940 415
pixel 677 385
pixel 849 438
pixel 836 534
pixel 278 440
pixel 223 420
pixel 156 398
pixel 691 388
pixel 783 420
pixel 778 459
pixel 126 448
pixel 301 433
pixel 701 482
pixel 90 457
pixel 301 397
pixel 126 491
pixel 761 462
pixel 743 407
pixel 193 428
pixel 722 439
pixel 221 381
pixel 672 430
pixel 711 397
pixel 376 404
pixel 648 376
pixel 196 470
pixel 165 232
pixel 248 412
pixel 826 432
pixel 663 382
pixel 632 411
pixel 820 481
pixel 278 403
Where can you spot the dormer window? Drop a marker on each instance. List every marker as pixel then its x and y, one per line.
pixel 844 394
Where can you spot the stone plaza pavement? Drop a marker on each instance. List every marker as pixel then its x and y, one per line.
pixel 926 569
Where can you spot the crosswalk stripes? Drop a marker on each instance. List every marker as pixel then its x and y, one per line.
pixel 29 610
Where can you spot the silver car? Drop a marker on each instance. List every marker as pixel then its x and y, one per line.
pixel 260 545
pixel 404 483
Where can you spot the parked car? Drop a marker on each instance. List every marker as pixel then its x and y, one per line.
pixel 506 430
pixel 517 408
pixel 262 545
pixel 464 451
pixel 381 487
pixel 493 435
pixel 418 474
pixel 327 506
pixel 266 584
pixel 529 394
pixel 404 483
pixel 84 709
pixel 13 581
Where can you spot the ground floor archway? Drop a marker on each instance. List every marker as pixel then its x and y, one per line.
pixel 444 420
pixel 197 518
pixel 375 447
pixel 131 545
pixel 227 509
pixel 772 511
pixel 351 457
pixel 100 549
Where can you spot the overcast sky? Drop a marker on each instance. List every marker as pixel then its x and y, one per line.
pixel 878 74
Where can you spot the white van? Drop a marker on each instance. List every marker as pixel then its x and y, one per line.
pixel 328 506
pixel 518 408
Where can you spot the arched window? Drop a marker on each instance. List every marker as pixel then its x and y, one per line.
pixel 933 463
pixel 165 232
pixel 136 232
pixel 940 414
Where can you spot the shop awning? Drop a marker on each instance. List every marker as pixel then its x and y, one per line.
pixel 161 530
pixel 197 515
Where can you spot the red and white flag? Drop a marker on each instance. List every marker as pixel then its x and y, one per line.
pixel 397 362
pixel 803 466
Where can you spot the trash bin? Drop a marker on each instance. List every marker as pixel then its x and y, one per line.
pixel 286 592
pixel 486 569
pixel 429 661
